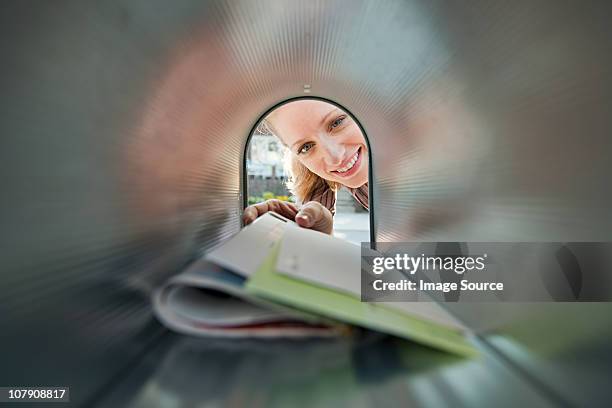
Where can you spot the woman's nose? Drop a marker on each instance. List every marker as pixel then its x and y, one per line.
pixel 334 153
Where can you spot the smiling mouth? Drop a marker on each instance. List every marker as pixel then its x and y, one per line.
pixel 351 166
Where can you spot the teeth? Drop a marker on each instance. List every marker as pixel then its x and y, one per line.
pixel 350 165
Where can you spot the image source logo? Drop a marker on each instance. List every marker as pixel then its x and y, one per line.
pixel 485 272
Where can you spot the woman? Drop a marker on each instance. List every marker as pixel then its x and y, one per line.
pixel 327 151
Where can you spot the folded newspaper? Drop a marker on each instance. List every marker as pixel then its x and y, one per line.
pixel 274 279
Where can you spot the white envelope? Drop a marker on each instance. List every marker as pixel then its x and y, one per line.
pixel 321 259
pixel 246 250
pixel 334 263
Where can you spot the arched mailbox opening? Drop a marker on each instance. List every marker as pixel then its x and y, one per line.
pixel 312 149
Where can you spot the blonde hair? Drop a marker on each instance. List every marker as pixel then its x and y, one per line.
pixel 302 182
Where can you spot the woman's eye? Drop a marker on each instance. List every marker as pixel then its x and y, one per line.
pixel 305 148
pixel 337 122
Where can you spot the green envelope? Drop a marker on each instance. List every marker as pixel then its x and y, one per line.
pixel 348 308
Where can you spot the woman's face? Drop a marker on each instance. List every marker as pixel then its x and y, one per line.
pixel 325 139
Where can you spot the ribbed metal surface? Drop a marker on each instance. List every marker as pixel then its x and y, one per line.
pixel 123 126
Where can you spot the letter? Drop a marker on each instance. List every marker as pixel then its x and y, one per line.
pixel 434 259
pixel 377 268
pixel 469 263
pixel 389 263
pixel 448 263
pixel 415 265
pixel 459 262
pixel 374 284
pixel 405 259
pixel 480 263
pixel 398 260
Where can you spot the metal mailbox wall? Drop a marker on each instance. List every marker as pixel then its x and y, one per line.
pixel 123 125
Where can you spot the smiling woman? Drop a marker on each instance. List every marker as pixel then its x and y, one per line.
pixel 325 151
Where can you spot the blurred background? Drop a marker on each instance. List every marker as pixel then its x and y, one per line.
pixel 265 168
pixel 123 133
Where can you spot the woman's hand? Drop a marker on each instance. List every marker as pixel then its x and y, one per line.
pixel 284 208
pixel 312 215
pixel 315 216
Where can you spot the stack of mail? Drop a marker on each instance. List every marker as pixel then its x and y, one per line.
pixel 288 281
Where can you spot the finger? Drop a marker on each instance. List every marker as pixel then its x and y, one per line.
pixel 315 216
pixel 286 209
pixel 304 220
pixel 253 211
pixel 249 215
pixel 308 215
